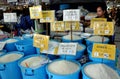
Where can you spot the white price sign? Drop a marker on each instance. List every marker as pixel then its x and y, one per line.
pixel 67 48
pixel 2 44
pixel 71 15
pixel 10 17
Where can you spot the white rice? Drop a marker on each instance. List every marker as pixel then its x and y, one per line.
pixel 11 40
pixel 74 37
pixel 100 71
pixel 97 39
pixel 10 57
pixel 34 62
pixel 63 67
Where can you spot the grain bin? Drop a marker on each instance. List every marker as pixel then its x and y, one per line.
pixel 9 65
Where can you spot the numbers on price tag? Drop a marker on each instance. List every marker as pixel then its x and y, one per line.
pixel 106 55
pixel 96 54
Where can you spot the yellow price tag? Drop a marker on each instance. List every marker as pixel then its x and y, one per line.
pixel 97 20
pixel 35 12
pixel 103 28
pixel 75 25
pixel 57 26
pixel 48 16
pixel 41 41
pixel 105 51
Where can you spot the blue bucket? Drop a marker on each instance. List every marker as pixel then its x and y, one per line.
pixel 74 75
pixel 10 46
pixel 26 46
pixel 78 55
pixel 29 72
pixel 84 75
pixel 9 68
pixel 111 63
pixel 88 42
pixel 68 40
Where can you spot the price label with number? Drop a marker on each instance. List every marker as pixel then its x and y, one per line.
pixel 67 48
pixel 75 26
pixel 48 16
pixel 57 26
pixel 36 12
pixel 41 41
pixel 103 28
pixel 2 44
pixel 97 20
pixel 105 51
pixel 71 15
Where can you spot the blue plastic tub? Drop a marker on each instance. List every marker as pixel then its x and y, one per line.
pixel 52 75
pixel 10 46
pixel 111 63
pixel 85 76
pixel 26 46
pixel 88 42
pixel 30 72
pixel 78 55
pixel 9 69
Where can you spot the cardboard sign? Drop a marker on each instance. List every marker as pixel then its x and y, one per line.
pixel 67 48
pixel 41 41
pixel 105 51
pixel 75 26
pixel 71 15
pixel 48 16
pixel 57 26
pixel 103 28
pixel 35 12
pixel 2 44
pixel 97 20
pixel 10 17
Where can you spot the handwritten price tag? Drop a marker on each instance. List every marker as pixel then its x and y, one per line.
pixel 104 51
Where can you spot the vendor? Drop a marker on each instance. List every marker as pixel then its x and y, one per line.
pixel 102 12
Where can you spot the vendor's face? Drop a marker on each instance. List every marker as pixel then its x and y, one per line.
pixel 100 12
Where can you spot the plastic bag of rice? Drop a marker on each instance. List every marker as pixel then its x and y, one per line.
pixel 97 39
pixel 11 40
pixel 100 71
pixel 35 62
pixel 63 67
pixel 75 37
pixel 10 57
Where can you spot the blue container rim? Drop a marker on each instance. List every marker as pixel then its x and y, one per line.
pixel 27 57
pixel 66 74
pixel 14 52
pixel 83 72
pixel 17 43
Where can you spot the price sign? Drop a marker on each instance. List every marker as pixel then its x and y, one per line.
pixel 35 12
pixel 11 1
pixel 97 20
pixel 71 15
pixel 41 41
pixel 10 17
pixel 75 26
pixel 67 48
pixel 2 44
pixel 57 26
pixel 103 28
pixel 104 51
pixel 48 16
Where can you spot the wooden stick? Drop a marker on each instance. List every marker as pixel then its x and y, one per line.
pixel 27 65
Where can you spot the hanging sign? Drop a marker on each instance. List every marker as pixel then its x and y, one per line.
pixel 67 48
pixel 75 26
pixel 105 51
pixel 97 20
pixel 10 17
pixel 103 28
pixel 35 12
pixel 48 16
pixel 2 44
pixel 41 41
pixel 57 26
pixel 71 15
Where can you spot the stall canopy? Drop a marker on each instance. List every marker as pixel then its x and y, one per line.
pixel 74 1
